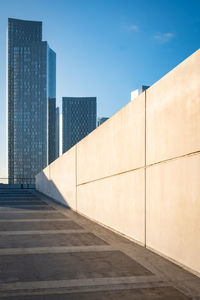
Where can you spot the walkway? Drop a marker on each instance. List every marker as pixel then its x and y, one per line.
pixel 49 252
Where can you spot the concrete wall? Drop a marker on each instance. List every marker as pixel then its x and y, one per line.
pixel 58 180
pixel 173 210
pixel 116 146
pixel 139 172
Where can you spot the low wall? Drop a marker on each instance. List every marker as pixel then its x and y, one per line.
pixel 58 180
pixel 138 173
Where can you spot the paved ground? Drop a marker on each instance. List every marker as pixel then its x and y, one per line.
pixel 49 252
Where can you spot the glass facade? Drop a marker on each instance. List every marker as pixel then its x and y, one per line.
pixel 31 86
pixel 79 119
pixel 57 132
pixel 51 71
pixel 101 120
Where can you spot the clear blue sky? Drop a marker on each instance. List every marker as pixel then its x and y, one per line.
pixel 105 48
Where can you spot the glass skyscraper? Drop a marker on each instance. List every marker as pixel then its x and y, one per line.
pixel 31 100
pixel 57 131
pixel 101 120
pixel 79 119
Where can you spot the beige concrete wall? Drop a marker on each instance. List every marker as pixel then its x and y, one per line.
pixel 172 182
pixel 173 210
pixel 116 146
pixel 117 202
pixel 42 181
pixel 58 180
pixel 139 172
pixel 173 112
pixel 106 190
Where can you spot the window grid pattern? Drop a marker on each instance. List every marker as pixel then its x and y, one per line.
pixel 27 100
pixel 79 119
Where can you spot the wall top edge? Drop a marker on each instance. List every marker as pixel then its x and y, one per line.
pixel 186 61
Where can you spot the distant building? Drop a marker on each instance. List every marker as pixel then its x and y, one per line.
pixel 31 97
pixel 51 88
pixel 101 121
pixel 79 119
pixel 57 132
pixel 137 92
pixel 60 134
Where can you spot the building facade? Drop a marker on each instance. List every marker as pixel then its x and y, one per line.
pixel 51 107
pixel 79 119
pixel 139 91
pixel 31 96
pixel 101 120
pixel 57 131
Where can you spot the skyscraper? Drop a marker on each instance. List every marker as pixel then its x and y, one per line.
pixel 79 119
pixel 51 107
pixel 57 131
pixel 31 96
pixel 101 120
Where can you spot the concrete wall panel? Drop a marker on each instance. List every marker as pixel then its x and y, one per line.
pixel 117 202
pixel 116 146
pixel 107 168
pixel 173 112
pixel 173 209
pixel 42 180
pixel 62 179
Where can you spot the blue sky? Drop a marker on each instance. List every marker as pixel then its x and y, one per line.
pixel 105 48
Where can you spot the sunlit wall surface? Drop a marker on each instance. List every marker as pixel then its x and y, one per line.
pixel 79 119
pixel 29 92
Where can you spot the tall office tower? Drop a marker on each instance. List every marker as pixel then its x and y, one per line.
pixel 57 131
pixel 79 119
pixel 60 134
pixel 51 107
pixel 31 93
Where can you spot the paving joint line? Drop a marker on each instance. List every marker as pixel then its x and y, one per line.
pixel 42 231
pixel 63 249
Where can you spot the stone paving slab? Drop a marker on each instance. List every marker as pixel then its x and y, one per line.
pixel 45 225
pixel 31 232
pixel 19 203
pixel 26 207
pixel 19 196
pixel 30 215
pixel 159 293
pixel 50 252
pixel 32 220
pixel 39 267
pixel 50 240
pixel 15 192
pixel 55 249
